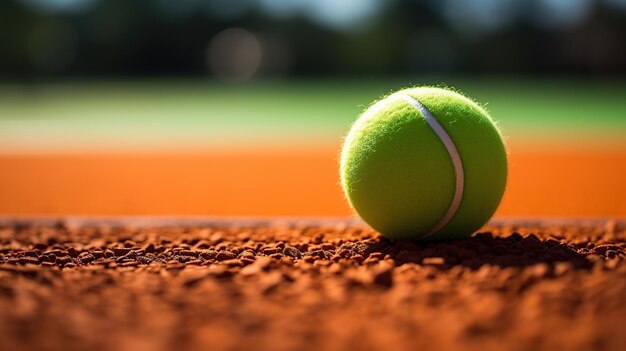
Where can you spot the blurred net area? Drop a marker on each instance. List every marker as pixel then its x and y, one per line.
pixel 238 107
pixel 238 40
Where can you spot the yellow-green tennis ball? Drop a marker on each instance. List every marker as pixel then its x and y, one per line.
pixel 424 163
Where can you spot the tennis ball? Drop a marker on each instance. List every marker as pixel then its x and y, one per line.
pixel 424 163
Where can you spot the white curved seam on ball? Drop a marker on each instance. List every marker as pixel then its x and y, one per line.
pixel 456 162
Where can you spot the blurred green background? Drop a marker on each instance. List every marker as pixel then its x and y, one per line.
pixel 186 113
pixel 122 74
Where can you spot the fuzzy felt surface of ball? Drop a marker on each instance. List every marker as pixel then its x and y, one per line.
pixel 424 163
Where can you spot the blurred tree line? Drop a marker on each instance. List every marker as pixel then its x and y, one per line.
pixel 73 38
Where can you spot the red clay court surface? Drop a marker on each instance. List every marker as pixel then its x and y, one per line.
pixel 155 285
pixel 544 180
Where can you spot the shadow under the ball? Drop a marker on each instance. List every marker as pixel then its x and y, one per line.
pixel 486 249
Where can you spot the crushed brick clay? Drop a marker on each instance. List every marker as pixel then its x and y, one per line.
pixel 77 284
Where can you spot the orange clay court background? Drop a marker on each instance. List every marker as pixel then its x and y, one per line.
pixel 544 180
